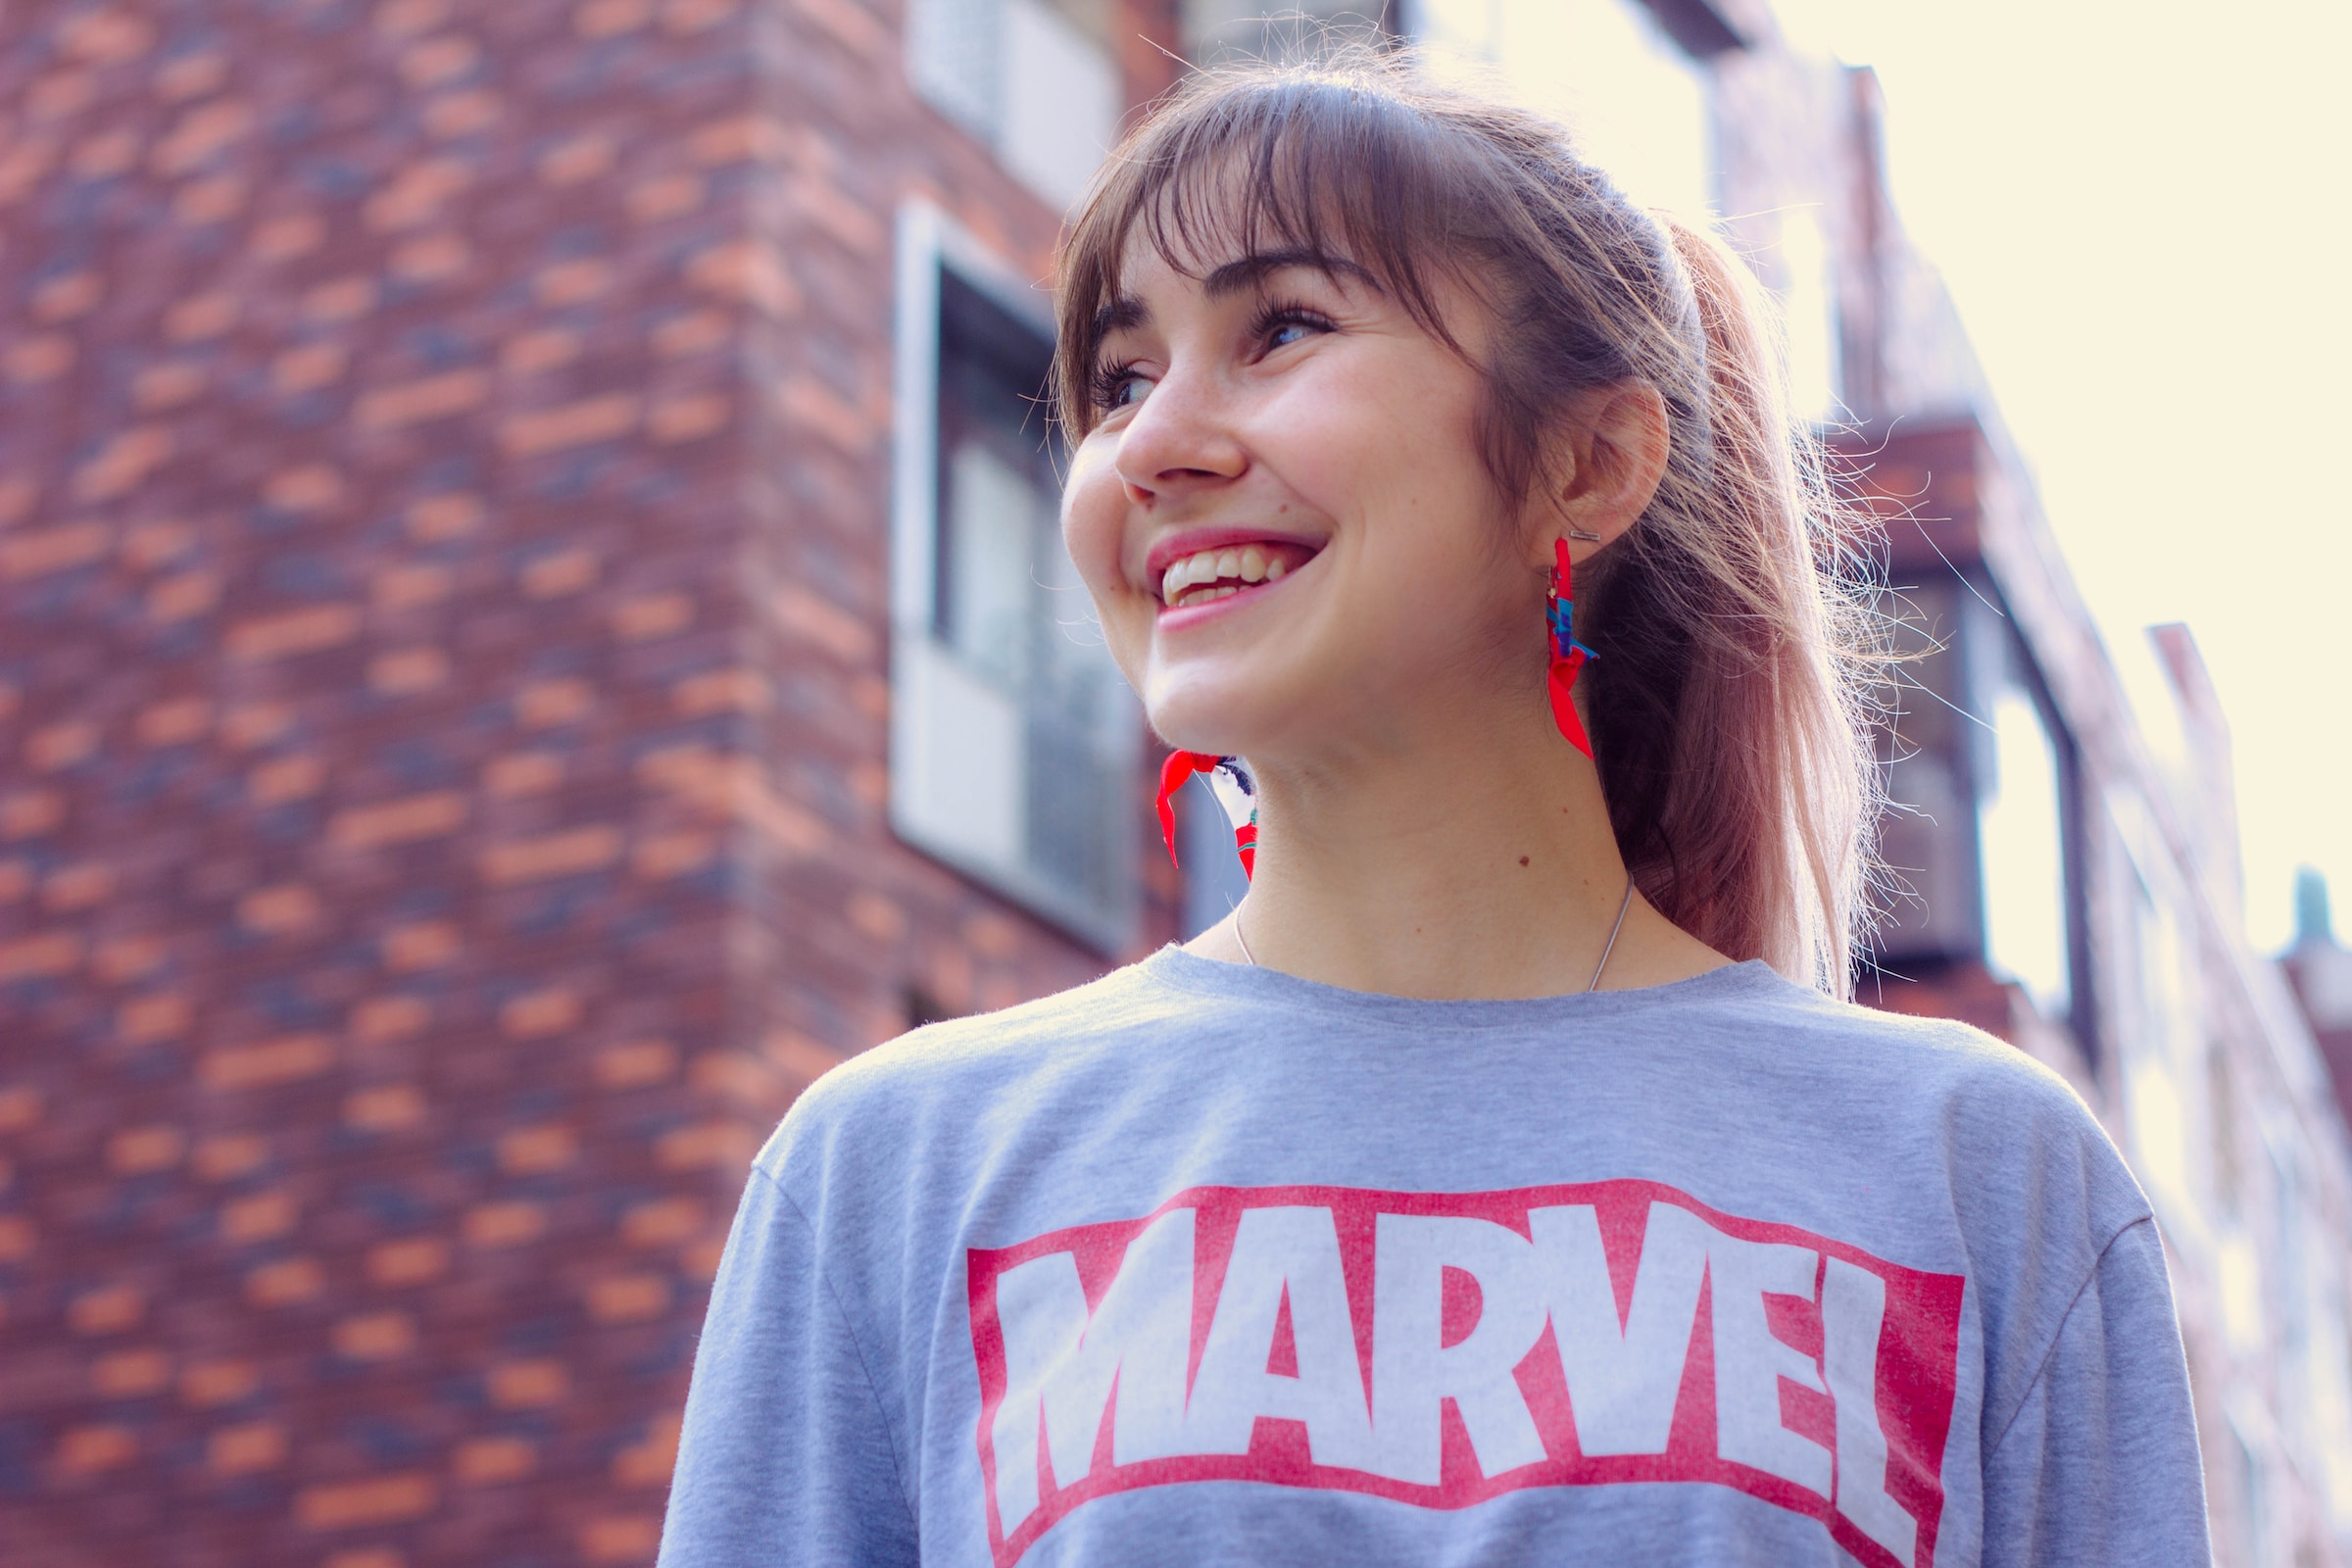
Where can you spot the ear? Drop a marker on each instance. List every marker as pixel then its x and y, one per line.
pixel 1618 439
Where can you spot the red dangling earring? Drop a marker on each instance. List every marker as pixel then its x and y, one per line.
pixel 1568 656
pixel 1173 774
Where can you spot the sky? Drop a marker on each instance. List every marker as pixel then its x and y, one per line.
pixel 2140 212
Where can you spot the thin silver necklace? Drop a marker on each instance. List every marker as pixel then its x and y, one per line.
pixel 1243 940
pixel 1610 946
pixel 1623 905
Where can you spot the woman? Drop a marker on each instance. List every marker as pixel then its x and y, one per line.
pixel 1503 1182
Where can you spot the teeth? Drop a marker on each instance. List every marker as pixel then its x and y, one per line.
pixel 1248 564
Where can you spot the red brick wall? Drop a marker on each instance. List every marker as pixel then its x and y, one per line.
pixel 442 705
pixel 849 921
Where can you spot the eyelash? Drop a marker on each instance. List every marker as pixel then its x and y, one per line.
pixel 1277 312
pixel 1109 380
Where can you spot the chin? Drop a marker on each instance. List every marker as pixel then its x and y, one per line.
pixel 1218 713
pixel 1235 707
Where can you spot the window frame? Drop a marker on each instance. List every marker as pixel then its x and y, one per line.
pixel 931 244
pixel 1999 657
pixel 1022 77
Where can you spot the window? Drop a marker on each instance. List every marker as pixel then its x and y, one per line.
pixel 1033 78
pixel 1224 29
pixel 2019 828
pixel 2254 1528
pixel 1014 740
pixel 2030 865
pixel 2313 1359
pixel 2325 1376
pixel 1981 837
pixel 1932 915
pixel 1637 102
pixel 2160 1025
pixel 1807 288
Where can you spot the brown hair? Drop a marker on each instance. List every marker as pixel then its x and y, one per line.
pixel 1728 705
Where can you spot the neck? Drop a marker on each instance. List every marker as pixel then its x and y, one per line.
pixel 1448 868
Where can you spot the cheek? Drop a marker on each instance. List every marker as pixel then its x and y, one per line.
pixel 1393 456
pixel 1094 519
pixel 1430 583
pixel 1092 512
pixel 1375 442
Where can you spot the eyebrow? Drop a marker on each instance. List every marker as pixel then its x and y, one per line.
pixel 1237 276
pixel 1124 312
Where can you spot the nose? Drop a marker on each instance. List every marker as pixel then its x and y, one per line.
pixel 1180 442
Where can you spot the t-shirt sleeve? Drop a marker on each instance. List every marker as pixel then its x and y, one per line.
pixel 786 1455
pixel 2099 1466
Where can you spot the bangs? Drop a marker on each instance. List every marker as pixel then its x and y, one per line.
pixel 1316 168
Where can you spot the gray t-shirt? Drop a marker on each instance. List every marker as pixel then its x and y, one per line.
pixel 1206 1264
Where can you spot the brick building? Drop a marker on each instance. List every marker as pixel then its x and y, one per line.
pixel 443 697
pixel 2064 842
pixel 529 627
pixel 2064 849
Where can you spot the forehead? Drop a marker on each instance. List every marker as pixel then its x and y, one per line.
pixel 1199 226
pixel 1146 273
pixel 1225 233
pixel 1215 205
pixel 1162 271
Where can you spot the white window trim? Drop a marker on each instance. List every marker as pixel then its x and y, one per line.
pixel 928 241
pixel 1043 94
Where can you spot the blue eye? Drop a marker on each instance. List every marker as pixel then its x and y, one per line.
pixel 1119 386
pixel 1280 326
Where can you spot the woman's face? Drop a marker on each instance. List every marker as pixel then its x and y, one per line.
pixel 1283 516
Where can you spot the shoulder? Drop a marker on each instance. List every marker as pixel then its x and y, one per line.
pixel 954 1069
pixel 1915 1058
pixel 2014 1137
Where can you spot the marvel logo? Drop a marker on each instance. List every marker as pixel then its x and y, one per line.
pixel 1443 1348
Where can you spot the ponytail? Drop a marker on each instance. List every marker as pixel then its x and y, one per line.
pixel 1730 717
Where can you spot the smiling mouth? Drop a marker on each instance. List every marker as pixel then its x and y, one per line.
pixel 1230 570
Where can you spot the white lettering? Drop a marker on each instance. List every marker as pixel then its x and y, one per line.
pixel 1750 1360
pixel 1853 1310
pixel 1059 1367
pixel 1621 1378
pixel 1274 1250
pixel 1413 1369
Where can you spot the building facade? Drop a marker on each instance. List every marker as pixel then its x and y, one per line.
pixel 445 688
pixel 531 627
pixel 2062 844
pixel 2320 969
